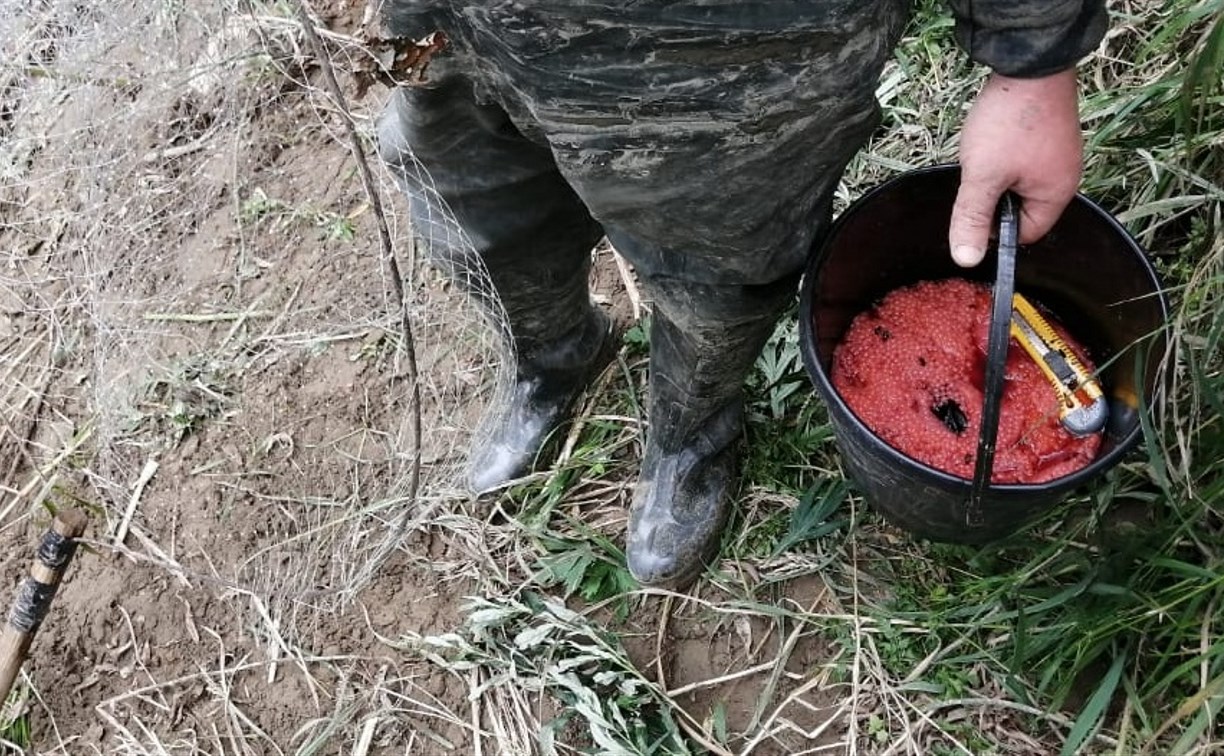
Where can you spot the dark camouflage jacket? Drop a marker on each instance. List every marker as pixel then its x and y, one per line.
pixel 1025 38
pixel 1029 38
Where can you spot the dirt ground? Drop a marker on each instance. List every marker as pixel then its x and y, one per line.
pixel 202 352
pixel 201 348
pixel 164 637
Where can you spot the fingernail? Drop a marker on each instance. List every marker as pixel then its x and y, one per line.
pixel 966 256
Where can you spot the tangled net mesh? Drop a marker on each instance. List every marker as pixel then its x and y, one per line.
pixel 156 290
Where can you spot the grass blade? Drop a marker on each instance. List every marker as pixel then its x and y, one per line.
pixel 1093 714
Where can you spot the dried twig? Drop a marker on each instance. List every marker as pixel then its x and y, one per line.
pixel 146 474
pixel 630 282
pixel 397 281
pixel 205 317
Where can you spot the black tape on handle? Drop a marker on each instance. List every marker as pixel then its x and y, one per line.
pixel 30 608
pixel 34 596
pixel 996 354
pixel 55 551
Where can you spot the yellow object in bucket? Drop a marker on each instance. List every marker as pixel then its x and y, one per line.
pixel 1083 409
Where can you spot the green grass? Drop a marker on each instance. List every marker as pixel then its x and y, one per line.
pixel 15 732
pixel 1115 623
pixel 1098 630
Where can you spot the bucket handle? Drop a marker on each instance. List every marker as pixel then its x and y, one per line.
pixel 996 354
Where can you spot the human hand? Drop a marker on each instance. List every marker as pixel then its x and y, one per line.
pixel 1021 135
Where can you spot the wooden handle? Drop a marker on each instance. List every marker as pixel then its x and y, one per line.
pixel 70 523
pixel 36 592
pixel 13 648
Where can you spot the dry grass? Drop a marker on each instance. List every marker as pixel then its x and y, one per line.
pixel 168 281
pixel 135 152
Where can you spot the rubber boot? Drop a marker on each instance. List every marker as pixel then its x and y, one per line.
pixel 549 377
pixel 495 215
pixel 698 362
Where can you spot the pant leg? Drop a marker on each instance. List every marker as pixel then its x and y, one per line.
pixel 707 136
pixel 507 204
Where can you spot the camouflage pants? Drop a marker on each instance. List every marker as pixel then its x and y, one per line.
pixel 705 138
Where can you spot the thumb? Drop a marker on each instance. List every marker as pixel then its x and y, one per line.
pixel 972 221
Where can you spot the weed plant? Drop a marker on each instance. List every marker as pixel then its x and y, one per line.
pixel 15 721
pixel 1097 630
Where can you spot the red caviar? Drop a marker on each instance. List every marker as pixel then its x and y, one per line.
pixel 912 368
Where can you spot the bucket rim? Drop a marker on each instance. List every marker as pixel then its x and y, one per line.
pixel 816 372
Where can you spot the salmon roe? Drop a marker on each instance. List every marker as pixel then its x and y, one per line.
pixel 912 368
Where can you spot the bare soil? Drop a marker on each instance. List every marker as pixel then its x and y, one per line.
pixel 213 310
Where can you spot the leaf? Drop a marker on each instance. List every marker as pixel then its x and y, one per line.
pixel 548 736
pixel 568 568
pixel 1192 704
pixel 719 722
pixel 1093 713
pixel 492 617
pixel 1203 77
pixel 810 520
pixel 562 612
pixel 396 61
pixel 532 637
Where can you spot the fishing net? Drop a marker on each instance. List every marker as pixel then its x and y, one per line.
pixel 198 314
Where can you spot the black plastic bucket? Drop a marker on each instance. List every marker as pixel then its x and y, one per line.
pixel 1087 270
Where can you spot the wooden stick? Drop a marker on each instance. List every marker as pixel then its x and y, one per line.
pixel 146 474
pixel 36 592
pixel 635 298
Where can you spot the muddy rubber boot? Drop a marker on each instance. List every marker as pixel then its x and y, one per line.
pixel 682 500
pixel 548 381
pixel 690 464
pixel 497 218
